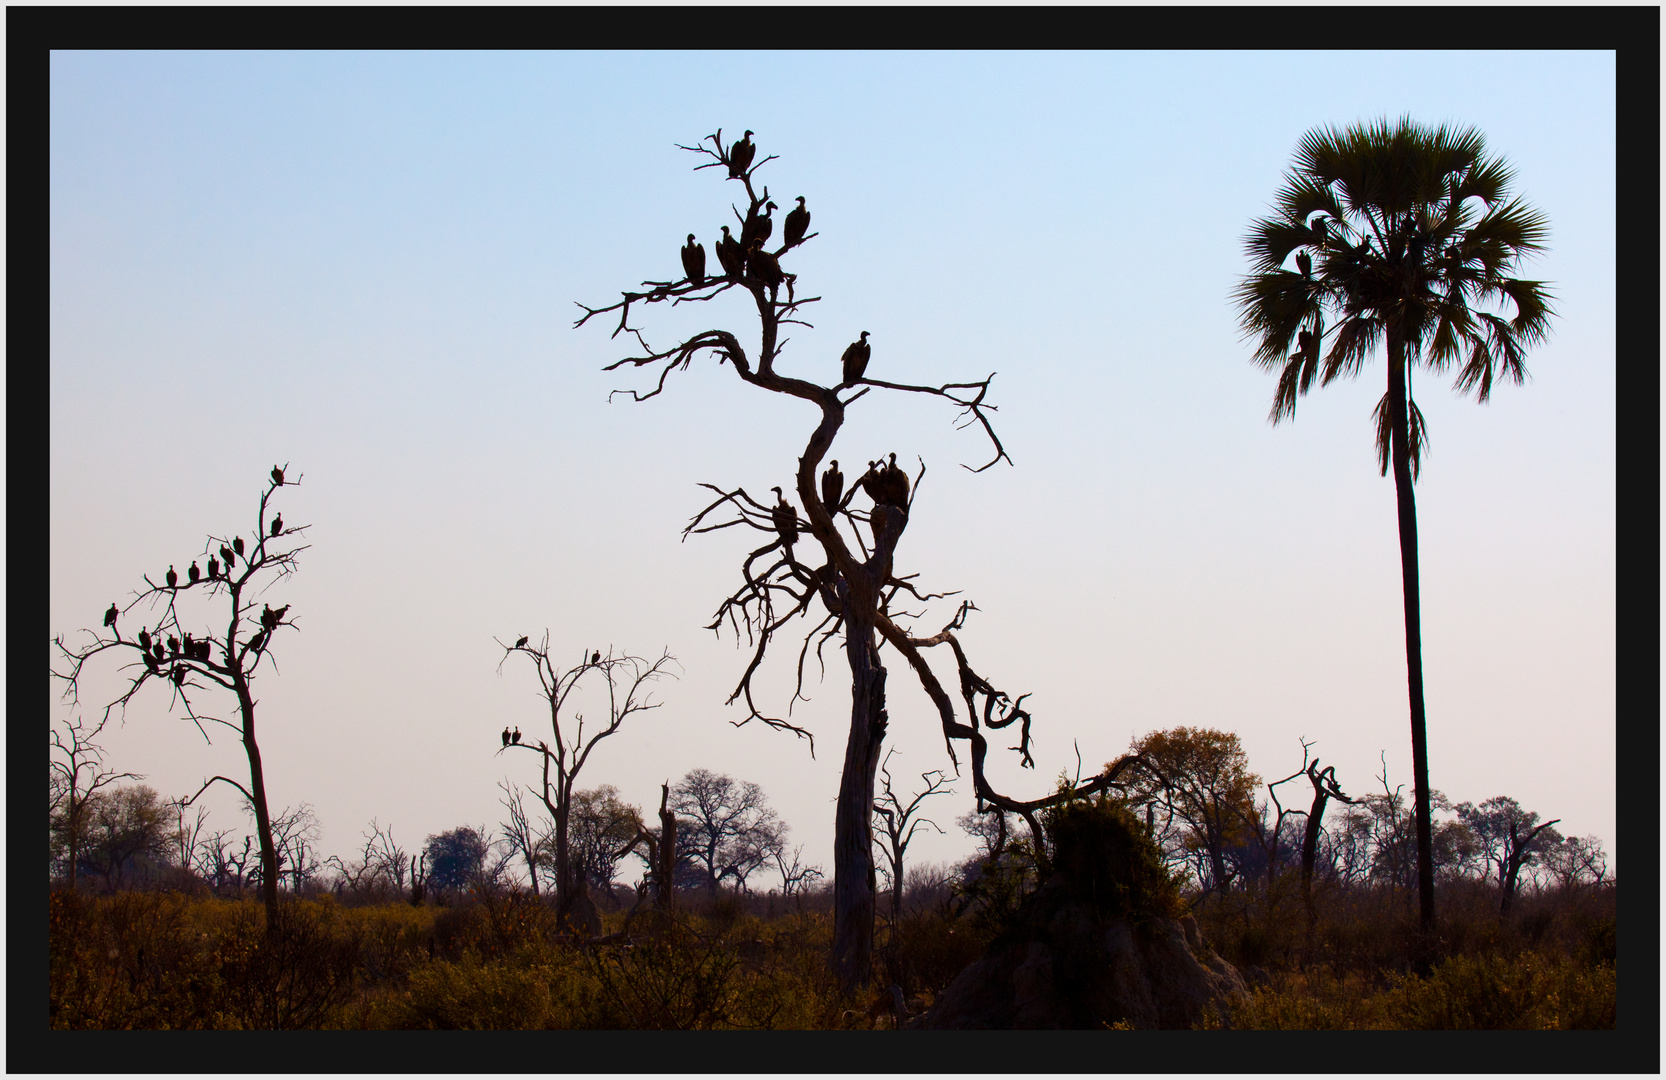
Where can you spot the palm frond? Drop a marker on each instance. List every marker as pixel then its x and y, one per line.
pixel 1355 337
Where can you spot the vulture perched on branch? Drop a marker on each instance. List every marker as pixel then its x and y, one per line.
pixel 856 359
pixel 237 544
pixel 520 642
pixel 832 486
pixel 506 736
pixel 740 156
pixel 173 578
pixel 110 616
pixel 763 265
pixel 797 224
pixel 226 557
pixel 277 476
pixel 1304 263
pixel 757 229
pixel 194 572
pixel 785 518
pixel 729 254
pixel 694 262
pixel 277 525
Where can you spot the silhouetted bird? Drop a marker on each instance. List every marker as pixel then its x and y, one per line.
pixel 144 639
pixel 225 557
pixel 894 485
pixel 756 228
pixel 516 737
pixel 110 616
pixel 1304 263
pixel 189 648
pixel 194 571
pixel 1304 342
pixel 237 544
pixel 173 645
pixel 740 155
pixel 520 642
pixel 179 674
pixel 157 650
pixel 856 359
pixel 694 261
pixel 277 476
pixel 763 265
pixel 596 657
pixel 257 641
pixel 729 255
pixel 870 483
pixel 268 618
pixel 213 568
pixel 173 578
pixel 506 736
pixel 277 616
pixel 832 486
pixel 277 525
pixel 152 664
pixel 797 224
pixel 784 517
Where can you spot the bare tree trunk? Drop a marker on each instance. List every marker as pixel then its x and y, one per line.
pixel 854 886
pixel 666 866
pixel 263 819
pixel 1400 446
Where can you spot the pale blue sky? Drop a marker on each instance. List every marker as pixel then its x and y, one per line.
pixel 365 265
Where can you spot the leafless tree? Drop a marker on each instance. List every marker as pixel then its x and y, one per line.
pixel 520 834
pixel 900 822
pixel 295 832
pixel 628 680
pixel 188 835
pixel 76 764
pixel 192 663
pixel 855 584
pixel 661 847
pixel 795 876
pixel 226 867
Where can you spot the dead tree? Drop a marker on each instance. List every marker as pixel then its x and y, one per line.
pixel 1325 788
pixel 519 833
pixel 856 584
pixel 627 679
pixel 77 770
pixel 662 852
pixel 900 823
pixel 192 663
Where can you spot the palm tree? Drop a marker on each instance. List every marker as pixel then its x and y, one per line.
pixel 1401 236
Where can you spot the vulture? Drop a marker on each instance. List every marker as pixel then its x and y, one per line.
pixel 179 674
pixel 257 641
pixel 516 737
pixel 203 648
pixel 740 156
pixel 596 657
pixel 785 518
pixel 277 616
pixel 173 645
pixel 277 525
pixel 729 254
pixel 225 557
pixel 277 476
pixel 893 485
pixel 694 262
pixel 213 568
pixel 506 736
pixel 856 359
pixel 173 578
pixel 763 265
pixel 266 619
pixel 190 647
pixel 1319 227
pixel 110 616
pixel 1304 263
pixel 157 650
pixel 832 486
pixel 195 572
pixel 520 643
pixel 144 639
pixel 150 662
pixel 237 544
pixel 798 223
pixel 757 228
pixel 1304 342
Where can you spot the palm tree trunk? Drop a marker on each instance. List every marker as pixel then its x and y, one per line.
pixel 853 870
pixel 1400 436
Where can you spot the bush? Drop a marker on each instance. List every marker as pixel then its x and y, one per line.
pixel 1105 858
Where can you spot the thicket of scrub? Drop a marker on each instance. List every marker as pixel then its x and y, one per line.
pixel 499 960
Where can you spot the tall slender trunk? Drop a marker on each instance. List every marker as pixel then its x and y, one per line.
pixel 854 885
pixel 263 818
pixel 1400 447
